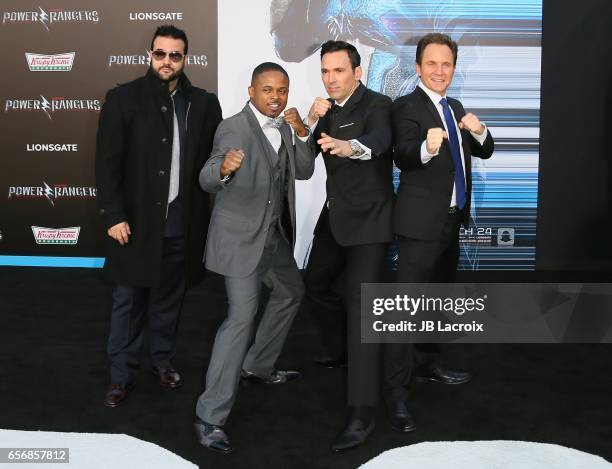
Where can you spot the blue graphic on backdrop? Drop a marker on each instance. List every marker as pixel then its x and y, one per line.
pixel 497 78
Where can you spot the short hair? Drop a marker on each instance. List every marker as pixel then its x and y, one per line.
pixel 436 38
pixel 336 46
pixel 267 67
pixel 169 30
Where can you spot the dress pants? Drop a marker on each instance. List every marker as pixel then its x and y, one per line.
pixel 231 352
pixel 422 261
pixel 129 311
pixel 331 311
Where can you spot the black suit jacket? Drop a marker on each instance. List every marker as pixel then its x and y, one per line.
pixel 360 193
pixel 425 190
pixel 133 159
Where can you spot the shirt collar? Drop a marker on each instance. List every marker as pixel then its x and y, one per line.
pixel 176 90
pixel 261 118
pixel 435 97
pixel 349 96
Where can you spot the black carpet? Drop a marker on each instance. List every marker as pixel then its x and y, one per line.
pixel 53 375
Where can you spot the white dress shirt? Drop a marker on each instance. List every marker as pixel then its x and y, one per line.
pixel 271 132
pixel 426 156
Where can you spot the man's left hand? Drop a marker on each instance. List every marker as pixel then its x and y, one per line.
pixel 292 117
pixel 472 123
pixel 336 147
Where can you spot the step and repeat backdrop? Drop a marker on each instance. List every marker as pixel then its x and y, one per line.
pixel 64 55
pixel 497 77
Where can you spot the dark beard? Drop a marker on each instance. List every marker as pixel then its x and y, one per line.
pixel 174 76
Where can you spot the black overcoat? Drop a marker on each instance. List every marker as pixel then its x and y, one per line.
pixel 133 159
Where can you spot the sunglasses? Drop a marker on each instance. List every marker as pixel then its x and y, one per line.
pixel 175 56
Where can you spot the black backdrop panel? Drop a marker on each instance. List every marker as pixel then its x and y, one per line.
pixel 576 152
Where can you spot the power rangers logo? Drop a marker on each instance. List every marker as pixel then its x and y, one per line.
pixel 199 60
pixel 59 191
pixel 49 107
pixel 52 16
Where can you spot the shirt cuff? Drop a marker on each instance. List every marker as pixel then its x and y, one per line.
pixel 481 138
pixel 223 180
pixel 311 127
pixel 366 155
pixel 425 155
pixel 306 137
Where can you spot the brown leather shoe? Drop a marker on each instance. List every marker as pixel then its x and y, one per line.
pixel 115 394
pixel 169 377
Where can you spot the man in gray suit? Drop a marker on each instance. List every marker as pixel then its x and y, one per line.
pixel 252 170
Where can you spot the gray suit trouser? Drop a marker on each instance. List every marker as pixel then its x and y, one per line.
pixel 231 352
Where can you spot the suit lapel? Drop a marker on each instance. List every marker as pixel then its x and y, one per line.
pixel 465 143
pixel 287 138
pixel 324 124
pixel 262 141
pixel 435 115
pixel 348 108
pixel 465 135
pixel 431 107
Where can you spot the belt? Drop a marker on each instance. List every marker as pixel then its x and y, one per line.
pixel 453 209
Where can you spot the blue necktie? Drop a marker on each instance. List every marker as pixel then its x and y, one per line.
pixel 453 139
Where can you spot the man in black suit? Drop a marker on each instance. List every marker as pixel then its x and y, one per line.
pixel 434 140
pixel 154 135
pixel 353 132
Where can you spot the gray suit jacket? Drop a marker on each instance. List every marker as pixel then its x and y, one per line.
pixel 241 214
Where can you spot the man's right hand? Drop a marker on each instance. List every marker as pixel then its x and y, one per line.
pixel 231 162
pixel 435 137
pixel 318 109
pixel 120 232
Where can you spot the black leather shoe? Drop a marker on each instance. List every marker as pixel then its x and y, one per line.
pixel 441 375
pixel 168 377
pixel 329 362
pixel 276 377
pixel 400 417
pixel 354 434
pixel 212 437
pixel 116 394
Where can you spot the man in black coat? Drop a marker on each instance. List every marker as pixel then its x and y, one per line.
pixel 434 140
pixel 154 135
pixel 353 132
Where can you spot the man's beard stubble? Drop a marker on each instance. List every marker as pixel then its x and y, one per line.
pixel 176 74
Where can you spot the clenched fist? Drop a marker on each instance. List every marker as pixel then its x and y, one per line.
pixel 231 162
pixel 471 123
pixel 120 232
pixel 435 137
pixel 292 117
pixel 318 109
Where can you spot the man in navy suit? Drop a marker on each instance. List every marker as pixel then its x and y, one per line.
pixel 434 140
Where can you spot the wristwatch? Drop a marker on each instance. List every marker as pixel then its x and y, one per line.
pixel 357 149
